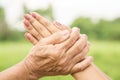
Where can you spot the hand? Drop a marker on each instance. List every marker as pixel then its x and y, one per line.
pixel 50 58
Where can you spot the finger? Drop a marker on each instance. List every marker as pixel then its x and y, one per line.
pixel 61 26
pixel 45 22
pixel 82 65
pixel 56 38
pixel 39 27
pixel 71 40
pixel 81 55
pixel 30 38
pixel 31 30
pixel 78 46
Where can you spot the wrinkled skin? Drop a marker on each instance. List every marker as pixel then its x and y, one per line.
pixel 50 58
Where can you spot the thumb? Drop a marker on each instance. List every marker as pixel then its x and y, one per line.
pixel 82 65
pixel 55 38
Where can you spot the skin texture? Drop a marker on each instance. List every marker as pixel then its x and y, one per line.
pixel 30 24
pixel 33 26
pixel 50 57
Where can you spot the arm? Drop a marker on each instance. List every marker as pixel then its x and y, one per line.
pixel 48 58
pixel 52 28
pixel 91 73
pixel 17 72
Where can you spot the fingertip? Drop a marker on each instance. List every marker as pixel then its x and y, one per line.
pixel 75 32
pixel 26 23
pixel 84 35
pixel 27 36
pixel 33 14
pixel 91 58
pixel 76 29
pixel 61 26
pixel 30 38
pixel 26 16
pixel 57 23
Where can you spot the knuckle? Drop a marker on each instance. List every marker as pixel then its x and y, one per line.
pixel 80 68
pixel 46 22
pixel 72 40
pixel 34 33
pixel 83 41
pixel 78 47
pixel 76 34
pixel 80 57
pixel 38 36
pixel 83 67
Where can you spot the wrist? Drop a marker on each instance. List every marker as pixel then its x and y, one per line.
pixel 16 72
pixel 21 71
pixel 30 68
pixel 79 75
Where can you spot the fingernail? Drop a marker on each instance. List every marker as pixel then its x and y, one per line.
pixel 27 36
pixel 33 14
pixel 26 24
pixel 26 16
pixel 58 24
pixel 65 32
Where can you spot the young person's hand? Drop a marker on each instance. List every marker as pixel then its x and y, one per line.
pixel 40 27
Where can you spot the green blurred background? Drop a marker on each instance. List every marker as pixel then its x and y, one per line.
pixel 104 36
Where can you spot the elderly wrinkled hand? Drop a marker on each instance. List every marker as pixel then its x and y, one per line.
pixel 58 54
